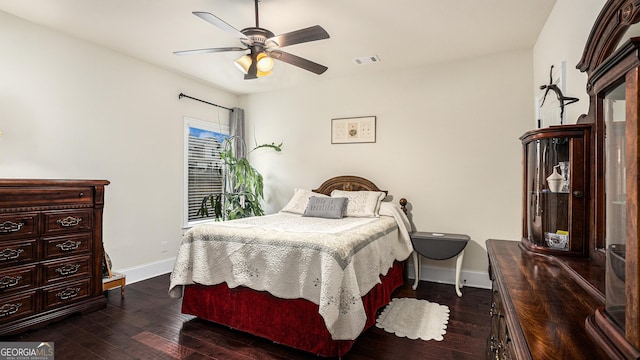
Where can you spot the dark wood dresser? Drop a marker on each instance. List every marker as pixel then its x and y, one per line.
pixel 50 250
pixel 538 308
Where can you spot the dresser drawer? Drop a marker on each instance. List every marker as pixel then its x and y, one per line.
pixel 64 294
pixel 20 197
pixel 68 245
pixel 17 279
pixel 67 221
pixel 18 225
pixel 17 252
pixel 65 269
pixel 13 307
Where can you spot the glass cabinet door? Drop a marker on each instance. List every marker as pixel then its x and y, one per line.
pixel 555 184
pixel 614 118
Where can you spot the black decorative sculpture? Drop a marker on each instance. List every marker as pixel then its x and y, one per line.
pixel 563 100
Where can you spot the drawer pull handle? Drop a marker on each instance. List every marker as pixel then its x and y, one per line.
pixel 493 347
pixel 68 269
pixel 9 281
pixel 69 245
pixel 68 293
pixel 493 311
pixel 81 194
pixel 69 221
pixel 9 227
pixel 10 254
pixel 9 309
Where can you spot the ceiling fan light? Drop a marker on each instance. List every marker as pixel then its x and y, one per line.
pixel 260 73
pixel 243 63
pixel 265 63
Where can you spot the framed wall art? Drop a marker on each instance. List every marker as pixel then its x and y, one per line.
pixel 353 130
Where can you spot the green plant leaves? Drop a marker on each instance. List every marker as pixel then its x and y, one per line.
pixel 273 146
pixel 243 199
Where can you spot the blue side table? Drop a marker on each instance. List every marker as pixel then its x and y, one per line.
pixel 438 246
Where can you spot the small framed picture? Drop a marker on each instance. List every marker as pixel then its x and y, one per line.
pixel 353 130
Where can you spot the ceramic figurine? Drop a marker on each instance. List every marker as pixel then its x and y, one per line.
pixel 555 181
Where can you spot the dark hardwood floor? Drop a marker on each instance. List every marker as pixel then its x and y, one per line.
pixel 148 324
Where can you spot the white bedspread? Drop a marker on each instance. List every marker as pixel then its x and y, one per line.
pixel 331 262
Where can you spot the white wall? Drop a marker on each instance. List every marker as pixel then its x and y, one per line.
pixel 69 109
pixel 563 39
pixel 447 140
pixel 447 134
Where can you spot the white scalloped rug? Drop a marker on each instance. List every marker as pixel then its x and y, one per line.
pixel 414 319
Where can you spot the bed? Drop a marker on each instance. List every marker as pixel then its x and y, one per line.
pixel 311 277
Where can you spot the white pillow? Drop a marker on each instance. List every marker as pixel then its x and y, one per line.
pixel 299 201
pixel 361 203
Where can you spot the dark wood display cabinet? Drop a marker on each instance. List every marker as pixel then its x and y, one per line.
pixel 616 85
pixel 570 289
pixel 556 184
pixel 50 251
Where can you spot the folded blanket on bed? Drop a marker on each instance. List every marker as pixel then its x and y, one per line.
pixel 331 262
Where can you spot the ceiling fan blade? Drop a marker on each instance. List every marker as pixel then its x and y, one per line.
pixel 207 51
pixel 298 61
pixel 221 24
pixel 312 33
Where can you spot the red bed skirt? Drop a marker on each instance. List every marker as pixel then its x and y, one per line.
pixel 292 322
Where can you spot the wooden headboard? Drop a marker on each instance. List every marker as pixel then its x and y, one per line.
pixel 347 183
pixel 352 183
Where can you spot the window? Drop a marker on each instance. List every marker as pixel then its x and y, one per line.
pixel 203 143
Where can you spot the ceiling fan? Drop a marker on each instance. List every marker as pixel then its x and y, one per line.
pixel 263 45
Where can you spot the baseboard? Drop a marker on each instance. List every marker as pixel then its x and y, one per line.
pixel 147 271
pixel 477 279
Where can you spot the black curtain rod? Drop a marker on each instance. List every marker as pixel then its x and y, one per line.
pixel 206 102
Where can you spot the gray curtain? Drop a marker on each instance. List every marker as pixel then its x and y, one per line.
pixel 236 126
pixel 236 131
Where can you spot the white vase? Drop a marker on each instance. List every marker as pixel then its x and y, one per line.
pixel 555 181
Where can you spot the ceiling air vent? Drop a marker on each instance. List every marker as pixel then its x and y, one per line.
pixel 367 60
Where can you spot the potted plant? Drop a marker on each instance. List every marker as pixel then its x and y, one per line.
pixel 242 184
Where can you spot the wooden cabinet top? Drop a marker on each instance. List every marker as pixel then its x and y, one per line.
pixel 545 306
pixel 52 182
pixel 32 194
